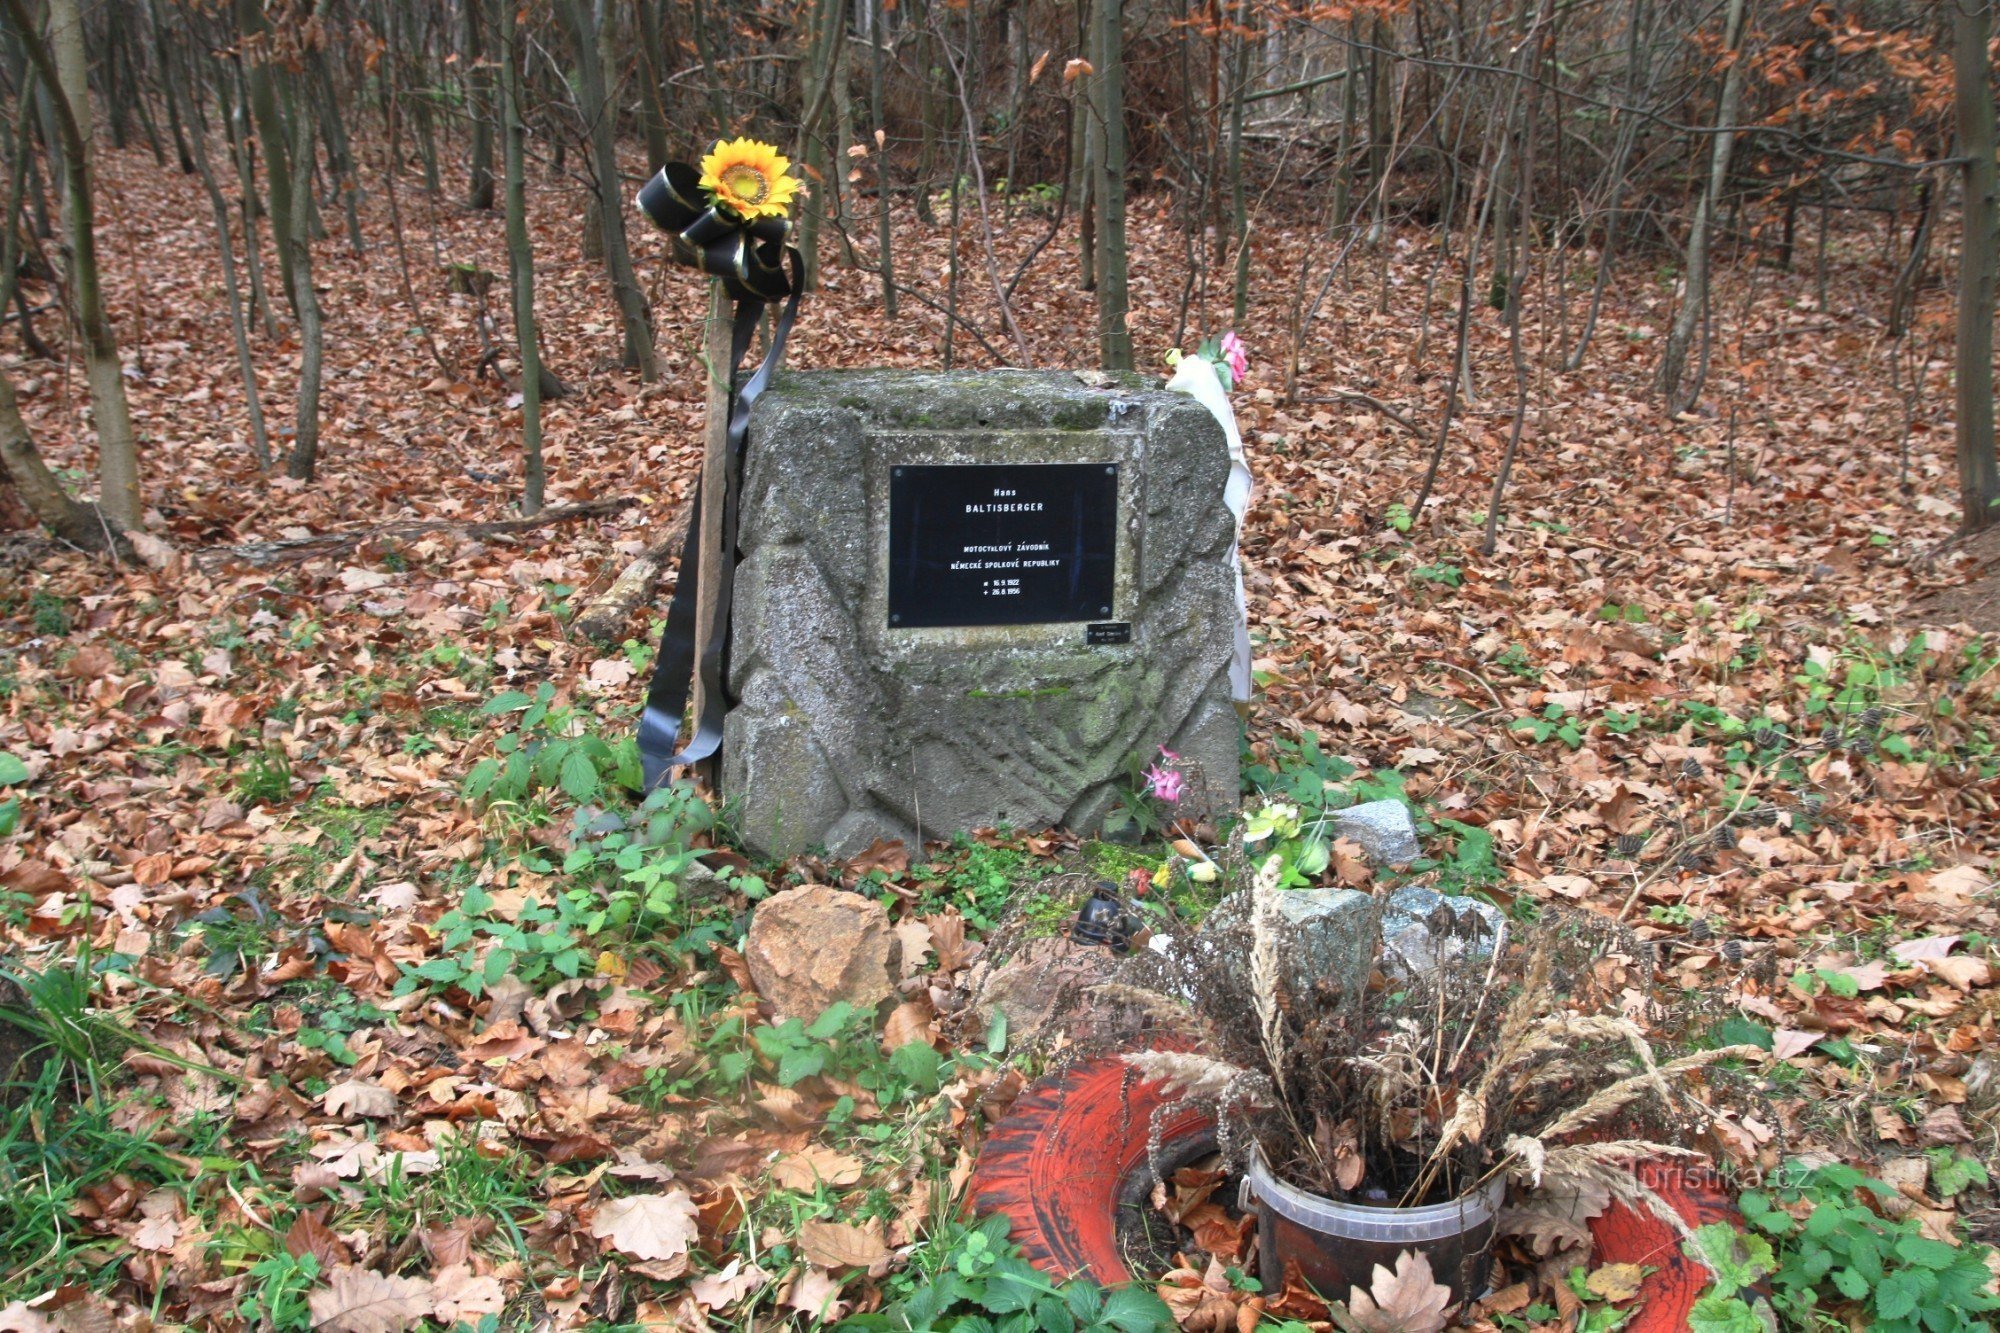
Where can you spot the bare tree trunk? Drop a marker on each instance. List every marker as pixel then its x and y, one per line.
pixel 877 40
pixel 828 32
pixel 260 440
pixel 25 478
pixel 1978 473
pixel 312 342
pixel 521 263
pixel 653 70
pixel 1694 296
pixel 235 124
pixel 64 75
pixel 594 102
pixel 1114 339
pixel 1239 210
pixel 479 98
pixel 263 106
pixel 37 487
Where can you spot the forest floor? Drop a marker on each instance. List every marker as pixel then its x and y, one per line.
pixel 240 853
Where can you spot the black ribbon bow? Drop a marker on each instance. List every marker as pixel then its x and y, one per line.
pixel 758 266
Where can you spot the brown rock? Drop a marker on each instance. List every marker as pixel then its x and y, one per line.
pixel 1047 987
pixel 811 948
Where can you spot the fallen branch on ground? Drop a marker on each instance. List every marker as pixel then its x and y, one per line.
pixel 604 619
pixel 321 545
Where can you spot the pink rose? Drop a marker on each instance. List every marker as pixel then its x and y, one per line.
pixel 1236 356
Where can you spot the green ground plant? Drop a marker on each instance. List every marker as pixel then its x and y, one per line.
pixel 972 1279
pixel 1833 1260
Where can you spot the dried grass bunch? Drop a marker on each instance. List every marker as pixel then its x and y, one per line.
pixel 1408 1090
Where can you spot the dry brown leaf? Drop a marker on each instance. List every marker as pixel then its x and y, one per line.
pixel 816 1165
pixel 1408 1300
pixel 914 937
pixel 1616 1283
pixel 457 1293
pixel 358 1098
pixel 720 1290
pixel 816 1293
pixel 359 1300
pixel 647 1226
pixel 841 1245
pixel 909 1021
pixel 1556 1217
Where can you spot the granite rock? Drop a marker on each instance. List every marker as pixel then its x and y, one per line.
pixel 1383 828
pixel 1423 930
pixel 1324 935
pixel 846 730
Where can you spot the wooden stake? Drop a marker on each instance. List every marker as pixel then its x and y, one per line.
pixel 714 485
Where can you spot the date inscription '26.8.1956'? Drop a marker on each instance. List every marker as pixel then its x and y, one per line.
pixel 1001 544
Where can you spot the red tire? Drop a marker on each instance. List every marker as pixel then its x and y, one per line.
pixel 1072 1149
pixel 1072 1152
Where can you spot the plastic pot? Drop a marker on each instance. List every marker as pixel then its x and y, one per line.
pixel 1335 1246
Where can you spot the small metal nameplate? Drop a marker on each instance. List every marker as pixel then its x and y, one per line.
pixel 1002 544
pixel 1116 631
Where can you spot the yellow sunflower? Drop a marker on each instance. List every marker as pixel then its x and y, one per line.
pixel 748 178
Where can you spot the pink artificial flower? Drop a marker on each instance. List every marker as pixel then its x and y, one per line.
pixel 1236 356
pixel 1169 755
pixel 1165 783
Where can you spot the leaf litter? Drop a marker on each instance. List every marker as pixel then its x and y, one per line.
pixel 1738 708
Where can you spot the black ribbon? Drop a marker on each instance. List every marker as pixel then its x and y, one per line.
pixel 758 266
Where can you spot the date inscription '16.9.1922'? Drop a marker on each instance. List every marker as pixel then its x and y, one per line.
pixel 1001 544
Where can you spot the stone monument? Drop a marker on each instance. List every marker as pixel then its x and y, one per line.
pixel 974 598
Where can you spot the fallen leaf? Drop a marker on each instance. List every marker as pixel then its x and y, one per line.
pixel 841 1245
pixel 816 1165
pixel 1788 1042
pixel 647 1226
pixel 1616 1283
pixel 1408 1300
pixel 816 1293
pixel 359 1300
pixel 722 1289
pixel 457 1293
pixel 356 1098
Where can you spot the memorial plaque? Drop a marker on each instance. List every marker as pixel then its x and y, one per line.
pixel 1001 544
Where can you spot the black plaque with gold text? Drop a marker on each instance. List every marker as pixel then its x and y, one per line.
pixel 1001 544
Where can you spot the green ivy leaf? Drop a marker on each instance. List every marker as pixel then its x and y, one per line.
pixel 12 770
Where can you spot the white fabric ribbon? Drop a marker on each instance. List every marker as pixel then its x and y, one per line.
pixel 1196 378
